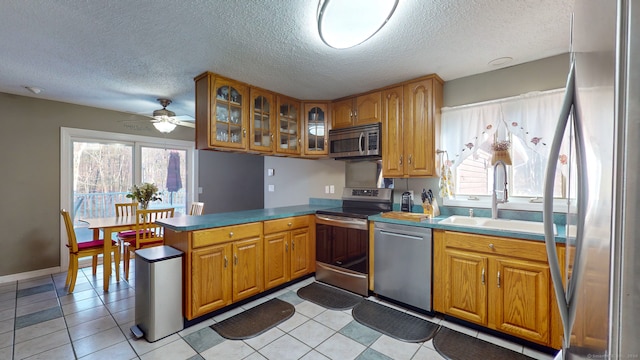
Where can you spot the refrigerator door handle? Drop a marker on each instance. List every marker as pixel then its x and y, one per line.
pixel 547 212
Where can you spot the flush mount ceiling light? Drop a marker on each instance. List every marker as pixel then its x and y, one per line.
pixel 346 23
pixel 163 119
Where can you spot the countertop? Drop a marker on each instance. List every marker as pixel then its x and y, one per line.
pixel 191 223
pixel 433 224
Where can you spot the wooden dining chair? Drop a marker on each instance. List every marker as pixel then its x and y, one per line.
pixel 196 208
pixel 126 209
pixel 78 250
pixel 147 233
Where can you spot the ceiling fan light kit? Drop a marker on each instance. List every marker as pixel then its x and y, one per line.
pixel 346 23
pixel 163 119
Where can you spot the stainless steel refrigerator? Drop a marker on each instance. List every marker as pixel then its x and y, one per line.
pixel 598 289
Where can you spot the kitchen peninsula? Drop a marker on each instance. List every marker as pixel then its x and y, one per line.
pixel 233 256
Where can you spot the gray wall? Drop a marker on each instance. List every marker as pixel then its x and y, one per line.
pixel 544 74
pixel 30 160
pixel 230 182
pixel 297 180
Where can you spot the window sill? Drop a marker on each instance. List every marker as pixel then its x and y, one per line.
pixel 515 203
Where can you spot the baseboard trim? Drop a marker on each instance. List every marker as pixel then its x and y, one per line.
pixel 29 275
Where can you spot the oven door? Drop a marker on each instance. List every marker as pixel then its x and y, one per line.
pixel 342 253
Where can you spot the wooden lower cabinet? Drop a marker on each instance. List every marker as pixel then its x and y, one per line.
pixel 210 279
pixel 287 252
pixel 223 265
pixel 501 283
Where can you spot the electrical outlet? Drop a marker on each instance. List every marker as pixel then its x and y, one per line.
pixel 326 189
pixel 200 190
pixel 272 188
pixel 332 189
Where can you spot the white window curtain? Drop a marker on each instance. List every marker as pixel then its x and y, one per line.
pixel 531 117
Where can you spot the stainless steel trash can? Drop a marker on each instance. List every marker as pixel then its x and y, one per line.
pixel 158 311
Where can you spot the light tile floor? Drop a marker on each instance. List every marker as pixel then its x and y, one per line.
pixel 40 320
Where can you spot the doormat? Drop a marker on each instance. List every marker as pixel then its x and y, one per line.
pixel 255 321
pixel 458 346
pixel 329 297
pixel 397 324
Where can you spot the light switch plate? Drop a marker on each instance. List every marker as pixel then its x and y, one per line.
pixel 271 172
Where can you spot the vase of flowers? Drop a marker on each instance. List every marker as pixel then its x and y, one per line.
pixel 143 194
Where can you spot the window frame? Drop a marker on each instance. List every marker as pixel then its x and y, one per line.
pixel 69 135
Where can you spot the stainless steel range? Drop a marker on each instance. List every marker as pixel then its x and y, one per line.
pixel 342 238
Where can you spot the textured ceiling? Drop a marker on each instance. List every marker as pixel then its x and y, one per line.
pixel 122 55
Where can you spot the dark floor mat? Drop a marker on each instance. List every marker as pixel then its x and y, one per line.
pixel 394 323
pixel 329 297
pixel 255 321
pixel 458 346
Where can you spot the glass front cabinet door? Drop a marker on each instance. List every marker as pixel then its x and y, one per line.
pixel 229 104
pixel 261 124
pixel 316 129
pixel 288 126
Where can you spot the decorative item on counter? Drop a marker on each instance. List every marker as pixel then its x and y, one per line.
pixel 143 194
pixel 501 152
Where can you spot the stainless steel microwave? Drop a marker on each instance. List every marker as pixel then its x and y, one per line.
pixel 364 141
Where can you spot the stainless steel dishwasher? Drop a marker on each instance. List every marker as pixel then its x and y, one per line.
pixel 403 259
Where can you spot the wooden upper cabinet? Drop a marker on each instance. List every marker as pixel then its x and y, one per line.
pixel 221 113
pixel 262 120
pixel 361 110
pixel 411 125
pixel 316 129
pixel 288 126
pixel 392 132
pixel 367 109
pixel 342 113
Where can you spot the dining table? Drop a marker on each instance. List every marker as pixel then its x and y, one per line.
pixel 109 225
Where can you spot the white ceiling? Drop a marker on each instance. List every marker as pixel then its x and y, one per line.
pixel 122 55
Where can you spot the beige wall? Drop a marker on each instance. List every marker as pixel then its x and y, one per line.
pixel 30 161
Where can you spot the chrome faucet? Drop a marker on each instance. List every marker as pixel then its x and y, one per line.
pixel 505 194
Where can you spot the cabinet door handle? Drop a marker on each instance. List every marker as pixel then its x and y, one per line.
pixel 498 278
pixel 410 155
pixel 226 261
pixel 351 114
pixel 482 276
pixel 400 159
pixel 230 234
pixel 355 114
pixel 289 224
pixel 286 247
pixel 293 245
pixel 244 132
pixel 235 259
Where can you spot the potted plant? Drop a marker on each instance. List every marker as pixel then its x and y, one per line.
pixel 143 194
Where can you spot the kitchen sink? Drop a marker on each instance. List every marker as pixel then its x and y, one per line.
pixel 497 224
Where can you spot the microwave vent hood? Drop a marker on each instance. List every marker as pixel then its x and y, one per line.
pixel 356 143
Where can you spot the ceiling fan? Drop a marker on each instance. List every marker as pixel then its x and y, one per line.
pixel 165 120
